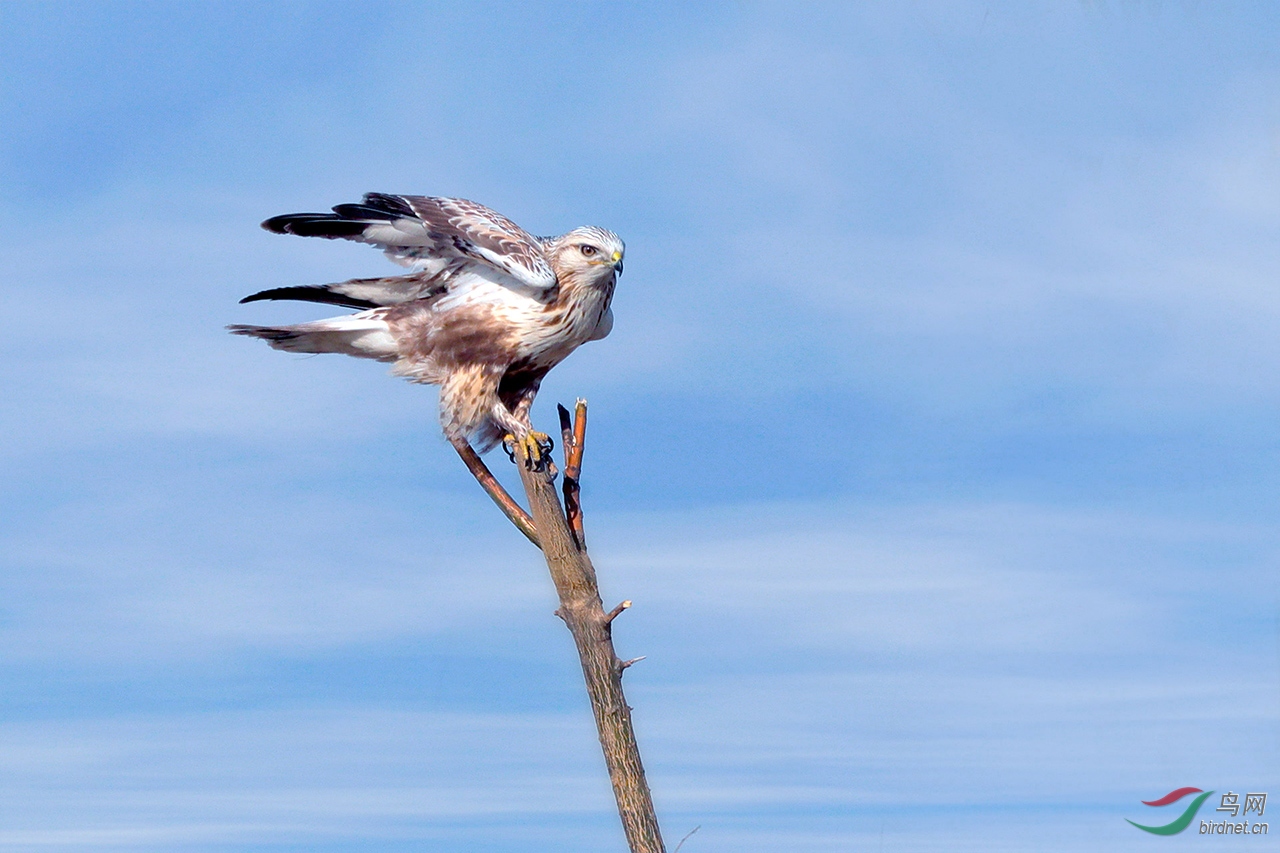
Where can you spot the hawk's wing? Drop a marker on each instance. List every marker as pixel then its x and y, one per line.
pixel 363 292
pixel 430 233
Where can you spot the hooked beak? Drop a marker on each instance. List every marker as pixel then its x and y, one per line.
pixel 617 262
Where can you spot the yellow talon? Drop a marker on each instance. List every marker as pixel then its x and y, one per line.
pixel 535 448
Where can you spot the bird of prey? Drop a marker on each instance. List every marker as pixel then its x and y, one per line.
pixel 485 312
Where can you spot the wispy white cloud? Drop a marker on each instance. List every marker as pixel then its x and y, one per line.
pixel 300 775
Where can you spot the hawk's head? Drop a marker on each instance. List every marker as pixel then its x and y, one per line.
pixel 591 255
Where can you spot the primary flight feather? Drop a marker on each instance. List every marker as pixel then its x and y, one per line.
pixel 487 310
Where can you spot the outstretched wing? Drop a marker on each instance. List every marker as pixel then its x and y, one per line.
pixel 362 292
pixel 429 233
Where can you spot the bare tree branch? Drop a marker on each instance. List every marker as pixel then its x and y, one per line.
pixel 583 613
pixel 500 495
pixel 687 836
pixel 566 431
pixel 558 531
pixel 574 438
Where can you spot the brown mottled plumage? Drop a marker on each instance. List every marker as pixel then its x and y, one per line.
pixel 488 310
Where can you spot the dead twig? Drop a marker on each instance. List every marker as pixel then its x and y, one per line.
pixel 495 490
pixel 566 431
pixel 574 437
pixel 686 838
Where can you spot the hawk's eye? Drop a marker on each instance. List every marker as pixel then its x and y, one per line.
pixel 588 250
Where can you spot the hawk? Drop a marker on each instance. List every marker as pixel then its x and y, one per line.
pixel 487 310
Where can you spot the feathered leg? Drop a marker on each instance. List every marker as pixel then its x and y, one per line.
pixel 470 405
pixel 537 446
pixel 521 401
pixel 515 395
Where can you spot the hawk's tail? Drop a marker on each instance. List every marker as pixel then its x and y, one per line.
pixel 364 335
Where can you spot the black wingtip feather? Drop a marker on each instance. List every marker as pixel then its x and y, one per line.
pixel 309 293
pixel 315 225
pixel 279 224
pixel 392 204
pixel 365 212
pixel 347 220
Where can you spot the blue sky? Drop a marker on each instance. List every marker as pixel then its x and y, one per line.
pixel 936 441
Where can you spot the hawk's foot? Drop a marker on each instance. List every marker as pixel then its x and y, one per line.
pixel 534 449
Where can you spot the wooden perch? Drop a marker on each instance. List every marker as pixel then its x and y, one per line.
pixel 500 495
pixel 617 611
pixel 573 438
pixel 559 534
